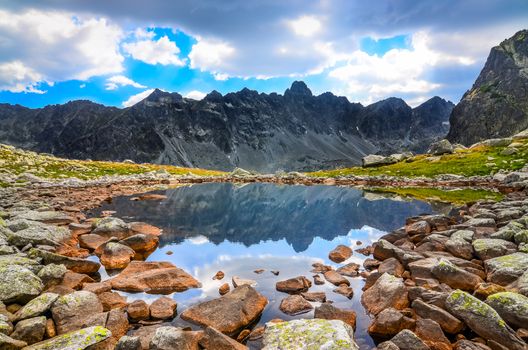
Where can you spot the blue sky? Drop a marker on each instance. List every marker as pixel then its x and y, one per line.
pixel 116 52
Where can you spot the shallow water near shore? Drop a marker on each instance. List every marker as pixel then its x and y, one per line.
pixel 241 228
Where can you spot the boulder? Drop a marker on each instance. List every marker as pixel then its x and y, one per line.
pixel 47 216
pixel 8 343
pixel 512 307
pixel 153 278
pixel 142 243
pixel 506 269
pixel 294 285
pixel 116 255
pixel 112 300
pixel 91 241
pixel 52 274
pixel 238 281
pixel 390 322
pixel 309 334
pixel 138 310
pixel 335 278
pixel 448 322
pixel 418 228
pixel 377 160
pixel 30 330
pixel 77 340
pixel 407 340
pixel 163 308
pixel 522 284
pixel 350 270
pixel 128 343
pixel 36 307
pixel 441 147
pixel 391 266
pixel 388 291
pixel 229 313
pixel 31 232
pixel 489 248
pixel 18 284
pixel 74 264
pixel 6 327
pixel 521 237
pixel 213 339
pixel 328 311
pixel 295 305
pixel 144 228
pixel 111 227
pixel 340 253
pixel 459 246
pixel 454 276
pixel 482 319
pixel 172 338
pixel 69 311
pixel 432 335
pixel 344 290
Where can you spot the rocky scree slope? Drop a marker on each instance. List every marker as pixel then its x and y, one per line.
pixel 497 104
pixel 263 132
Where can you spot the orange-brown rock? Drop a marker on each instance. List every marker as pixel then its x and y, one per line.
pixel 335 278
pixel 214 339
pixel 388 291
pixel 142 227
pixel 294 285
pixel 97 287
pixel 112 300
pixel 75 280
pixel 153 278
pixel 294 305
pixel 340 253
pixel 138 310
pixel 141 242
pixel 390 322
pixel 229 313
pixel 116 255
pixel 431 333
pixel 91 241
pixel 224 289
pixel 330 312
pixel 163 308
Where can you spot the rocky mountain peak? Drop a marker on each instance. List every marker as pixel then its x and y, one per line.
pixel 162 97
pixel 497 104
pixel 298 88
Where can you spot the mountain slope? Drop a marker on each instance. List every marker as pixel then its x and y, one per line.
pixel 264 132
pixel 497 104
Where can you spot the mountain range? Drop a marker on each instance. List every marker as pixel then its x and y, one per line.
pixel 262 132
pixel 270 132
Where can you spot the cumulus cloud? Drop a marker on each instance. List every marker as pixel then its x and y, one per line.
pixel 211 55
pixel 195 95
pixel 305 25
pixel 116 81
pixel 161 51
pixel 49 46
pixel 132 100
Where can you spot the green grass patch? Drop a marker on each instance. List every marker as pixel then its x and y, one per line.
pixel 455 196
pixel 16 161
pixel 481 160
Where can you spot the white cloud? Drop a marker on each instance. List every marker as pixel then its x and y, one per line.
pixel 195 95
pixel 211 55
pixel 132 100
pixel 49 46
pixel 82 86
pixel 305 25
pixel 116 81
pixel 161 51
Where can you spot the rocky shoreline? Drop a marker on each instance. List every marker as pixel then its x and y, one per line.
pixel 438 283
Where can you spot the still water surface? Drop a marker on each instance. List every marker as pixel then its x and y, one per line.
pixel 242 228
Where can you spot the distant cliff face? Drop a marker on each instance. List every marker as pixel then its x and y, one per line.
pixel 497 104
pixel 263 132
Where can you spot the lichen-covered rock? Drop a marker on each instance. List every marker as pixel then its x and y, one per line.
pixel 69 311
pixel 512 307
pixel 522 284
pixel 521 237
pixel 309 334
pixel 30 330
pixel 441 147
pixel 32 265
pixel 454 276
pixel 111 227
pixel 8 343
pixel 35 233
pixel 506 269
pixel 376 160
pixel 77 340
pixel 407 340
pixel 37 306
pixel 74 264
pixel 482 319
pixel 489 248
pixel 388 291
pixel 48 216
pixel 128 343
pixel 459 246
pixel 6 327
pixel 169 338
pixel 17 283
pixel 52 274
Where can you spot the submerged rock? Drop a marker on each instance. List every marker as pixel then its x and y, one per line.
pixel 294 285
pixel 294 305
pixel 309 334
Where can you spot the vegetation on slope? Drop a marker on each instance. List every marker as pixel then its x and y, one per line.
pixel 458 196
pixel 478 160
pixel 14 161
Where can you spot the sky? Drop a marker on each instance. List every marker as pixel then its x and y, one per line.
pixel 115 52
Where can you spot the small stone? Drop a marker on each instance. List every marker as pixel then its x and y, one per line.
pixel 344 290
pixel 318 280
pixel 294 305
pixel 224 289
pixel 294 285
pixel 237 281
pixel 163 308
pixel 340 253
pixel 314 296
pixel 219 275
pixel 138 310
pixel 335 278
pixel 30 330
